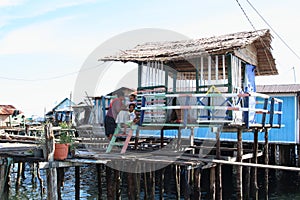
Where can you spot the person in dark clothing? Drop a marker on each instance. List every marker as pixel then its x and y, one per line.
pixel 110 119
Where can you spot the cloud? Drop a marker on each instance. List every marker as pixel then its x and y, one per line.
pixel 7 3
pixel 52 36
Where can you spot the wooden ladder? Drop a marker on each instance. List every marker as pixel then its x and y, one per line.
pixel 116 134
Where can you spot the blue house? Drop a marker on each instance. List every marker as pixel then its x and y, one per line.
pixel 62 112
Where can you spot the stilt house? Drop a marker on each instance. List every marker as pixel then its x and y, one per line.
pixel 208 81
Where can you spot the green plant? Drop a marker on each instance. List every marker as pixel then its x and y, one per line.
pixel 66 138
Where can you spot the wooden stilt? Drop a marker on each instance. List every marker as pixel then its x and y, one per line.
pixel 177 172
pixel 99 178
pixel 293 155
pixel 109 184
pixel 197 181
pixel 187 184
pixel 60 181
pixel 246 182
pixel 218 169
pixel 239 185
pixel 266 154
pixel 152 181
pixel 145 184
pixel 272 153
pixel 298 152
pixel 77 182
pixel 254 187
pixel 18 182
pixel 42 189
pixel 161 184
pixel 212 187
pixel 138 181
pixel 4 174
pixel 117 184
pixel 51 172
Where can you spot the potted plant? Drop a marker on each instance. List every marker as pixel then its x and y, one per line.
pixel 64 143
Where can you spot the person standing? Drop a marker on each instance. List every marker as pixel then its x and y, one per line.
pixel 110 119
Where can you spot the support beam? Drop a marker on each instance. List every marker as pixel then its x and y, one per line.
pixel 239 185
pixel 254 187
pixel 51 173
pixel 266 152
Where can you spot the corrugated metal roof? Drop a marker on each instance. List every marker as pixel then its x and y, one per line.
pixel 284 88
pixel 7 109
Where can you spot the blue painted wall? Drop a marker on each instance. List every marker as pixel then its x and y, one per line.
pixel 286 134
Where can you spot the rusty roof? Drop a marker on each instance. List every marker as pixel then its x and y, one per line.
pixel 178 51
pixel 283 88
pixel 7 109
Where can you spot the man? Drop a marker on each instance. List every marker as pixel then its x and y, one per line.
pixel 110 119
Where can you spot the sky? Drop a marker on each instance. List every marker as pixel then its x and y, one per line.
pixel 44 44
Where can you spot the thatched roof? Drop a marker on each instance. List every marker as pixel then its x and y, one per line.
pixel 256 44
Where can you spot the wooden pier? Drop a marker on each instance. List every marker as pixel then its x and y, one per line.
pixel 147 165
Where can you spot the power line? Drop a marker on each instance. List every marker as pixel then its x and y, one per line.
pixel 282 40
pixel 51 78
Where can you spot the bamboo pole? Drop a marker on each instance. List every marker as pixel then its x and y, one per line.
pixel 51 172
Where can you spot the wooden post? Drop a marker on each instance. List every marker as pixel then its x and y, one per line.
pixel 18 182
pixel 138 180
pixel 246 183
pixel 298 153
pixel 161 138
pixel 99 173
pixel 41 180
pixel 4 174
pixel 212 187
pixel 109 184
pixel 266 153
pixel 272 157
pixel 197 185
pixel 161 184
pixel 51 172
pixel 177 172
pixel 77 182
pixel 239 185
pixel 60 181
pixel 152 181
pixel 145 184
pixel 218 186
pixel 254 187
pixel 117 183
